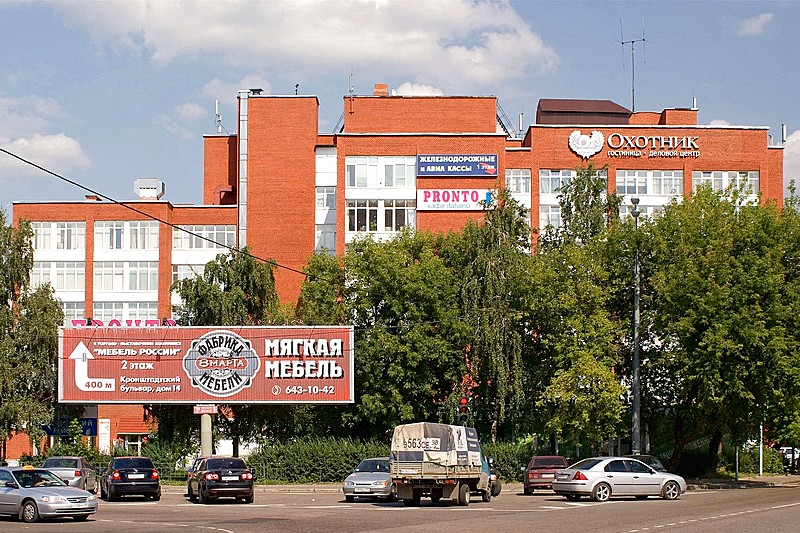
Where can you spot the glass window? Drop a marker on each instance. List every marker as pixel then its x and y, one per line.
pixel 42 232
pixel 398 214
pixel 631 182
pixel 109 276
pixel 143 276
pixel 326 197
pixel 549 215
pixel 203 237
pixel 72 311
pixel 180 272
pixel 325 238
pixel 362 215
pixel 143 235
pixel 40 273
pixel 108 235
pixel 71 235
pixel 70 275
pixel 551 181
pixel 518 180
pixel 720 180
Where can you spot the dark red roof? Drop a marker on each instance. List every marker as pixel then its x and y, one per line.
pixel 581 106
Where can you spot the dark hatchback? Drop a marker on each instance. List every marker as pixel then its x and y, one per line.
pixel 540 472
pixel 130 476
pixel 221 477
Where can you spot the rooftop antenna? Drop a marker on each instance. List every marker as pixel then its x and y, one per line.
pixel 350 87
pixel 218 118
pixel 632 42
pixel 296 86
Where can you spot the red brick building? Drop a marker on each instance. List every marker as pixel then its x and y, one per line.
pixel 286 190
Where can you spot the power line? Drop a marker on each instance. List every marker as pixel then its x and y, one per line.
pixel 153 217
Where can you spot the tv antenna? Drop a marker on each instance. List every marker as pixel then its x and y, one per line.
pixel 632 42
pixel 218 118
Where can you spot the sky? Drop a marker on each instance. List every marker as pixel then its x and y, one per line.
pixel 102 93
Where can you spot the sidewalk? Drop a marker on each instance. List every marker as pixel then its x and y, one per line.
pixel 516 488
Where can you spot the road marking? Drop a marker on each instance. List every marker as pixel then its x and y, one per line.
pixel 715 517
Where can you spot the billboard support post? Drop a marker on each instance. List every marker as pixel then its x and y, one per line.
pixel 205 435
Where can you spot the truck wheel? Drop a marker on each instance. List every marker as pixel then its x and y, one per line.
pixel 487 495
pixel 497 487
pixel 463 495
pixel 528 491
pixel 436 495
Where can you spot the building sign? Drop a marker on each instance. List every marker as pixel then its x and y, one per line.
pixel 621 145
pixel 197 365
pixel 453 199
pixel 457 165
pixel 88 427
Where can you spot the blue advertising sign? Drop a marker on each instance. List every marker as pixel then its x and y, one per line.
pixel 456 165
pixel 89 426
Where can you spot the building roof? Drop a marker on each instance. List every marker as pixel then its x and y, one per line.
pixel 559 105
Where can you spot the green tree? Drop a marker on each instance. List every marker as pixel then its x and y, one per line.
pixel 236 289
pixel 29 320
pixel 492 264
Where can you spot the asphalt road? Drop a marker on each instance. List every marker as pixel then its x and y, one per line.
pixel 776 509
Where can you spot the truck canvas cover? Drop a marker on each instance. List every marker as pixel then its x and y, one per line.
pixel 442 444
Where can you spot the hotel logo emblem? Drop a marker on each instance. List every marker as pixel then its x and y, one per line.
pixel 586 146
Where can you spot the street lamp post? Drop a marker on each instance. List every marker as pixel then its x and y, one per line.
pixel 636 444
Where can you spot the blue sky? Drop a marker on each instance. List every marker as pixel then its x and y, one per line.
pixel 107 92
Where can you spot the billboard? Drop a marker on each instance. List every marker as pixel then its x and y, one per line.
pixel 194 365
pixel 455 165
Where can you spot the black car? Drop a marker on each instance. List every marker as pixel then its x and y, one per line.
pixel 221 477
pixel 130 476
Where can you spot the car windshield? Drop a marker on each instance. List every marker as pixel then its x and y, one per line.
pixel 373 465
pixel 37 478
pixel 133 462
pixel 548 462
pixel 215 464
pixel 586 464
pixel 60 463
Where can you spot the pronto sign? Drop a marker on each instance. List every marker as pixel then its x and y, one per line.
pixel 206 365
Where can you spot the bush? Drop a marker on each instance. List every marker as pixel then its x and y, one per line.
pixel 508 458
pixel 748 461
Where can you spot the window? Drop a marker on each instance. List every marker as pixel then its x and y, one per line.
pixel 384 171
pixel 518 180
pixel 180 272
pixel 142 311
pixel 362 215
pixel 70 276
pixel 40 273
pixel 667 182
pixel 747 181
pixel 399 213
pixel 109 276
pixel 203 237
pixel 325 238
pixel 551 181
pixel 71 235
pixel 143 276
pixel 143 235
pixel 326 197
pixel 107 311
pixel 108 235
pixel 122 311
pixel 72 311
pixel 42 232
pixel 631 182
pixel 549 215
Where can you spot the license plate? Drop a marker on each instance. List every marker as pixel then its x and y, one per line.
pixel 78 505
pixel 548 475
pixel 360 490
pixel 230 478
pixel 135 476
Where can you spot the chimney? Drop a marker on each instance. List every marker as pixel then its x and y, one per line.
pixel 92 198
pixel 149 188
pixel 381 89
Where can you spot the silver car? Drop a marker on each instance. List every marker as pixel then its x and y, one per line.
pixel 604 477
pixel 33 493
pixel 76 471
pixel 370 479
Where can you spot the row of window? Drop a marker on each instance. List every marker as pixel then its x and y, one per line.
pixel 364 215
pixel 109 276
pixel 129 235
pixel 373 171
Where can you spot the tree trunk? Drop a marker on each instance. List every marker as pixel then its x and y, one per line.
pixel 714 448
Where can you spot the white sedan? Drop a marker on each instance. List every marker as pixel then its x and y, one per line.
pixel 603 477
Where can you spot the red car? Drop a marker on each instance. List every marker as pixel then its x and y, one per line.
pixel 541 471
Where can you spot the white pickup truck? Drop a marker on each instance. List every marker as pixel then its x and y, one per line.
pixel 439 461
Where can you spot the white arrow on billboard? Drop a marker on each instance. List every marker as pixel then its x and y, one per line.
pixel 81 356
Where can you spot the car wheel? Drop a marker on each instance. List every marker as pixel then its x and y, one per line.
pixel 156 497
pixel 573 497
pixel 527 491
pixel 110 494
pixel 80 517
pixel 671 491
pixel 463 495
pixel 601 492
pixel 248 499
pixel 201 495
pixel 29 513
pixel 498 486
pixel 486 495
pixel 103 493
pixel 192 495
pixel 349 499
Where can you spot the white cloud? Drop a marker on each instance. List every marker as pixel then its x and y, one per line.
pixel 171 125
pixel 755 25
pixel 791 159
pixel 222 90
pixel 26 130
pixel 719 122
pixel 417 89
pixel 191 111
pixel 459 45
pixel 57 152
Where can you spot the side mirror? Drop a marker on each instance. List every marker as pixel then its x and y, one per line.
pixel 490 460
pixel 11 485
